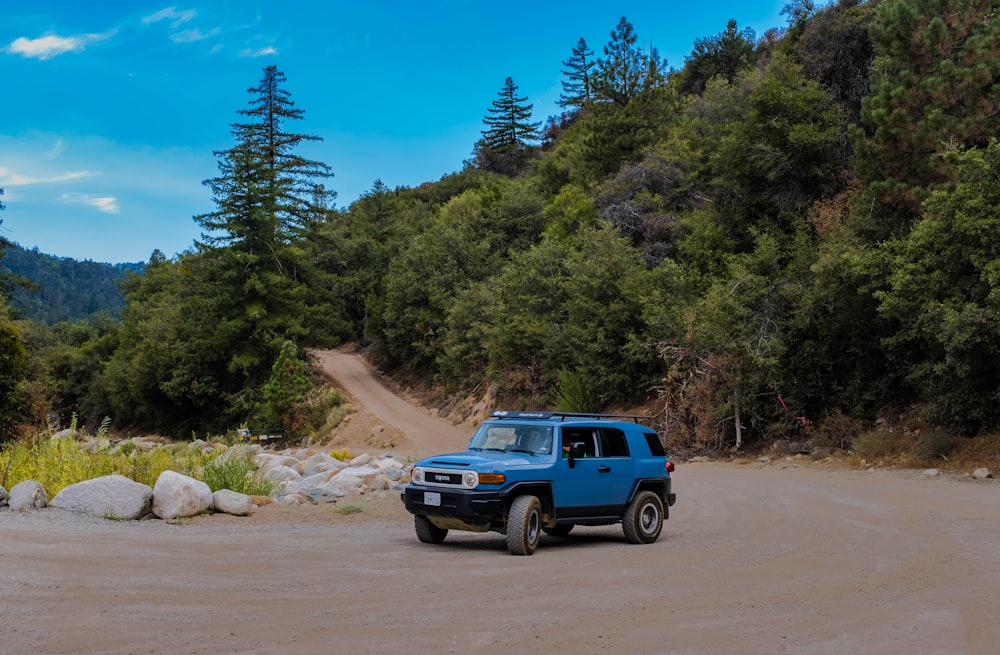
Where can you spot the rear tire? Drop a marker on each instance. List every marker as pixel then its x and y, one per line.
pixel 524 525
pixel 643 518
pixel 427 532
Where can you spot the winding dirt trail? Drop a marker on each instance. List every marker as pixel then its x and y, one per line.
pixel 422 432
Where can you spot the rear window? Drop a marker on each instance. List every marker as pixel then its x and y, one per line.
pixel 653 441
pixel 615 444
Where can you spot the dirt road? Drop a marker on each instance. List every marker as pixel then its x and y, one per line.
pixel 422 433
pixel 754 559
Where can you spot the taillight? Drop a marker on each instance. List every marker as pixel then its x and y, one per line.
pixel 670 466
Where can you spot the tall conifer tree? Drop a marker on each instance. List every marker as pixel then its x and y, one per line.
pixel 626 69
pixel 267 196
pixel 578 85
pixel 510 133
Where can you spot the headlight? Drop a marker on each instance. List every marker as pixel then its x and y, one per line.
pixel 417 477
pixel 470 480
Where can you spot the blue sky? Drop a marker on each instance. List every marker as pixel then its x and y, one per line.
pixel 112 109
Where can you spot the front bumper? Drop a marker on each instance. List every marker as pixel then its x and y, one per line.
pixel 476 507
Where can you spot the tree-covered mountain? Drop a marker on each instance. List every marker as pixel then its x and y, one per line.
pixel 64 289
pixel 792 236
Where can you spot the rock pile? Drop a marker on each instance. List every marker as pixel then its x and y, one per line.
pixel 308 476
pixel 302 476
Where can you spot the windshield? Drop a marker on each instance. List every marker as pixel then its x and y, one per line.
pixel 505 437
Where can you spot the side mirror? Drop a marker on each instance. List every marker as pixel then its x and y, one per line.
pixel 575 451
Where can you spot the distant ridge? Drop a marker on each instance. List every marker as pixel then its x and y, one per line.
pixel 68 289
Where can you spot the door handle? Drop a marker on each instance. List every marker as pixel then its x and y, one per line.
pixel 603 468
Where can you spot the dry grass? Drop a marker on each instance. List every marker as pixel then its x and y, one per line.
pixel 926 448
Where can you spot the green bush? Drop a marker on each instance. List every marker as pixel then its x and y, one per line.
pixel 575 393
pixel 58 463
pixel 236 472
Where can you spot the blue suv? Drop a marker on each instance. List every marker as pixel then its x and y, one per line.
pixel 525 473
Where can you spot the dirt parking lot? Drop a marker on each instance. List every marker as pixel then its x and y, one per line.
pixel 754 559
pixel 785 557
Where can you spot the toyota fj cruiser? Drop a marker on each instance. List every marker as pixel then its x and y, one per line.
pixel 525 473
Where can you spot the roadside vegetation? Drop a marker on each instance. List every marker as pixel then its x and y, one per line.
pixel 787 237
pixel 59 462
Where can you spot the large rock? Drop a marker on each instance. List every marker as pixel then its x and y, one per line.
pixel 29 494
pixel 266 461
pixel 110 497
pixel 3 496
pixel 281 474
pixel 232 502
pixel 982 473
pixel 178 496
pixel 321 463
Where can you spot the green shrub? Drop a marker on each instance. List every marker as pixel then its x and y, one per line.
pixel 575 393
pixel 58 463
pixel 236 472
pixel 875 444
pixel 933 445
pixel 350 508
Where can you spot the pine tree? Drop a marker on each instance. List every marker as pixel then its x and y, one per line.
pixel 510 134
pixel 267 197
pixel 626 70
pixel 935 84
pixel 725 54
pixel 578 85
pixel 265 193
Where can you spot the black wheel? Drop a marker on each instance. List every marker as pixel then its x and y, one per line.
pixel 643 518
pixel 560 530
pixel 427 532
pixel 524 525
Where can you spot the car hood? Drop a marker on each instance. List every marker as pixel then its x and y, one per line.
pixel 479 459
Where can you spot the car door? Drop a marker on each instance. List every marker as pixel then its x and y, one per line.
pixel 620 465
pixel 583 484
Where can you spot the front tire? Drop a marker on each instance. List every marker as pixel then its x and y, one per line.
pixel 427 532
pixel 643 518
pixel 524 525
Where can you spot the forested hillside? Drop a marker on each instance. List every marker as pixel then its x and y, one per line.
pixel 787 236
pixel 64 289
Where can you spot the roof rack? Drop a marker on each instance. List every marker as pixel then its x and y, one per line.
pixel 504 413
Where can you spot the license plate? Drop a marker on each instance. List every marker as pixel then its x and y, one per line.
pixel 432 498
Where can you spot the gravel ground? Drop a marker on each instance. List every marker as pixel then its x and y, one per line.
pixel 785 557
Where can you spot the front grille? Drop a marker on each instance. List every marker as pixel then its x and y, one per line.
pixel 442 478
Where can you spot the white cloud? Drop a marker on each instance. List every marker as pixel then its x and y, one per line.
pixel 45 47
pixel 191 36
pixel 259 52
pixel 57 149
pixel 104 204
pixel 107 204
pixel 8 178
pixel 170 14
pixel 52 45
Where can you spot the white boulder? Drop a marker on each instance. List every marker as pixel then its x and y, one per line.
pixel 232 502
pixel 29 494
pixel 178 496
pixel 111 496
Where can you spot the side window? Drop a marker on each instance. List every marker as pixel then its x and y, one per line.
pixel 655 447
pixel 583 435
pixel 614 443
